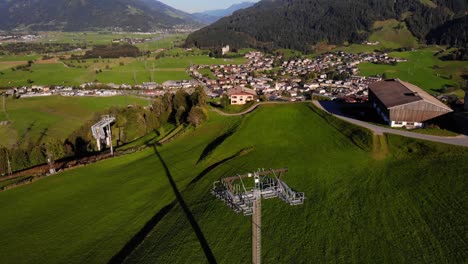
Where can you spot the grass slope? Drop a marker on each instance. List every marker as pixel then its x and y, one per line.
pixel 393 34
pixel 57 116
pixel 86 215
pixel 420 70
pixel 361 208
pixel 404 207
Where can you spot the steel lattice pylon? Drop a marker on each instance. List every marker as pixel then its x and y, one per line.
pixel 102 132
pixel 267 184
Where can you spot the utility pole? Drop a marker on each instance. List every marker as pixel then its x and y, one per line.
pixel 9 170
pixel 257 224
pixel 267 185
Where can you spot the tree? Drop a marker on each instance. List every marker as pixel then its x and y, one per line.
pixel 37 156
pixel 199 97
pixel 197 116
pixel 225 101
pixel 54 148
pixel 3 161
pixel 19 159
pixel 179 116
pixel 181 98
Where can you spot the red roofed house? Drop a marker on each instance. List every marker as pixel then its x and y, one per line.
pixel 241 95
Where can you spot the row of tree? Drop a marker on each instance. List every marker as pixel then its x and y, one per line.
pixel 112 51
pixel 38 48
pixel 131 123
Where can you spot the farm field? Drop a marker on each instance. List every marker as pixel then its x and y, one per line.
pixel 422 69
pixel 133 71
pixel 365 204
pixel 53 116
pixel 93 38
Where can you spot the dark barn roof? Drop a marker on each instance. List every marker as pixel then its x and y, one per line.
pixel 394 92
pixel 402 101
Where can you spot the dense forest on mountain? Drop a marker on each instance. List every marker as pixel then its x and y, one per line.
pixel 80 15
pixel 301 24
pixel 454 32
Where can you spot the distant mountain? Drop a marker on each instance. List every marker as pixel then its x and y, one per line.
pixel 211 16
pixel 272 24
pixel 81 15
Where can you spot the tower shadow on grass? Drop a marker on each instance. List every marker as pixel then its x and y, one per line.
pixel 138 238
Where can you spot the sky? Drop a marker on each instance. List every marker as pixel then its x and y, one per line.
pixel 192 6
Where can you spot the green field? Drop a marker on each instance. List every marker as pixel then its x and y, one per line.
pixel 133 71
pixel 172 66
pixel 419 69
pixel 365 204
pixel 392 34
pixel 55 116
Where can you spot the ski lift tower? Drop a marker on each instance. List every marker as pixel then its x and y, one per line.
pixel 267 184
pixel 102 132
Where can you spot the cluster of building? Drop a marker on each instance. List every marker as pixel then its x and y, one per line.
pixel 109 89
pixel 17 37
pixel 331 75
pixel 132 41
pixel 41 91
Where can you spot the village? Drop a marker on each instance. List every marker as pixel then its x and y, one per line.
pixel 331 75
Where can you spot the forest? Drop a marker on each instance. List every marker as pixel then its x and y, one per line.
pixel 302 24
pixel 112 51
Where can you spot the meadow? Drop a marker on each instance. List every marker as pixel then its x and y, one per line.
pixel 37 119
pixel 365 203
pixel 119 71
pixel 422 68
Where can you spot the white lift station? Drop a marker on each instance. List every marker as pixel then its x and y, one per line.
pixel 102 132
pixel 267 184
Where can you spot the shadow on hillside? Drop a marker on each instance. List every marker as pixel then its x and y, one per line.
pixel 139 237
pixel 216 143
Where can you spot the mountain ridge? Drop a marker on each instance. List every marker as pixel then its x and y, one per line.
pixel 83 15
pixel 211 16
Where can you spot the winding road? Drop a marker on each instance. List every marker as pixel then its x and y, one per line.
pixel 378 130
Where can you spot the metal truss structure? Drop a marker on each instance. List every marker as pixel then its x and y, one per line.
pixel 102 132
pixel 242 198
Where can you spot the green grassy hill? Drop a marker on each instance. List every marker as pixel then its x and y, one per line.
pixel 392 34
pixel 401 201
pixel 422 68
pixel 56 116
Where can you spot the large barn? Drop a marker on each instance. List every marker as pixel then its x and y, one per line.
pixel 402 104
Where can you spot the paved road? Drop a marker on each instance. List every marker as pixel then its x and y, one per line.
pixel 378 130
